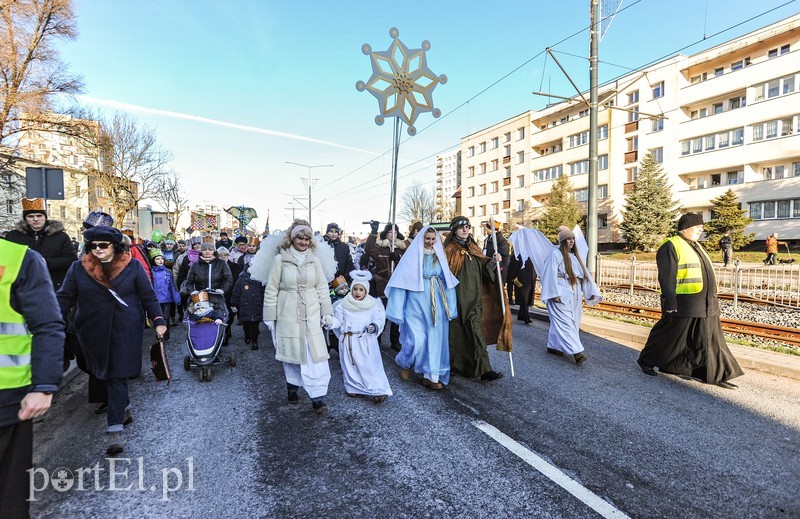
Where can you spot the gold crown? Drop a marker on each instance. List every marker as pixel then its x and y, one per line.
pixel 208 239
pixel 199 296
pixel 253 240
pixel 33 204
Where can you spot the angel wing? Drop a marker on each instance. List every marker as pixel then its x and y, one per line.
pixel 261 264
pixel 580 243
pixel 531 243
pixel 324 253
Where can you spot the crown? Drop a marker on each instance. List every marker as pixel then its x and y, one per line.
pixel 33 204
pixel 198 297
pixel 208 239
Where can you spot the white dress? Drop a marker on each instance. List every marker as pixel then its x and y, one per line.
pixel 565 317
pixel 359 354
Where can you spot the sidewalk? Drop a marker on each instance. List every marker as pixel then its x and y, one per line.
pixel 773 362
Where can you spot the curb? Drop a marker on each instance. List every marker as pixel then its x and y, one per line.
pixel 767 361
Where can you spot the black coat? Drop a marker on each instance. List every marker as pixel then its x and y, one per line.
pixel 51 242
pixel 110 332
pixel 213 275
pixel 344 261
pixel 248 298
pixel 502 248
pixel 702 304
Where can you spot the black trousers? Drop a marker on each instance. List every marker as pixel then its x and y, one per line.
pixel 394 328
pixel 16 457
pixel 726 255
pixel 251 330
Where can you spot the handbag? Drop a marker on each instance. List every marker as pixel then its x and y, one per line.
pixel 159 363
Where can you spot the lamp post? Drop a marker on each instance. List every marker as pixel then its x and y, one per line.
pixel 309 181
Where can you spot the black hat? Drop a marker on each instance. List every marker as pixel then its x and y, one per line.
pixel 240 239
pixel 388 228
pixel 332 226
pixel 690 220
pixel 458 221
pixel 223 233
pixel 103 233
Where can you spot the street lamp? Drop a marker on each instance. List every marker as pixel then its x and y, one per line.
pixel 309 181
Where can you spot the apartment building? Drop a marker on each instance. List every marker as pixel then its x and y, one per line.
pixel 724 118
pixel 448 178
pixel 495 171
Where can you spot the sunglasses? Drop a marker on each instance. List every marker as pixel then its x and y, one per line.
pixel 99 245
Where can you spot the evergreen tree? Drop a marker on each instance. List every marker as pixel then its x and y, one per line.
pixel 560 209
pixel 649 214
pixel 727 215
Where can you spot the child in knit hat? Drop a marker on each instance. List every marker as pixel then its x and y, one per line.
pixel 163 283
pixel 358 321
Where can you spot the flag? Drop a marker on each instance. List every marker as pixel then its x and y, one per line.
pixel 197 221
pixel 210 222
pixel 266 227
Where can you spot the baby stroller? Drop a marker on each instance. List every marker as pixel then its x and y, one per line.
pixel 204 339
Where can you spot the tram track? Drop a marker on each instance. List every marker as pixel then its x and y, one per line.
pixel 764 331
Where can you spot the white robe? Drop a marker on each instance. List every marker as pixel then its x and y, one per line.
pixel 565 317
pixel 359 353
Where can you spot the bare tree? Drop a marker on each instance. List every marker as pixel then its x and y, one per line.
pixel 418 204
pixel 132 164
pixel 170 196
pixel 32 74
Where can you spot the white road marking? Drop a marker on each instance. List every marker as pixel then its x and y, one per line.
pixel 588 497
pixel 474 411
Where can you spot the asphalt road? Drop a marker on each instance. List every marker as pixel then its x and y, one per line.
pixel 557 440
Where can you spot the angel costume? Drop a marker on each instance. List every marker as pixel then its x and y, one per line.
pixel 359 353
pixel 422 300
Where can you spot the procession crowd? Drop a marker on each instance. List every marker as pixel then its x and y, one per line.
pixel 444 297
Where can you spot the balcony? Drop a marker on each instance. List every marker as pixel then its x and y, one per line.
pixel 507 159
pixel 631 156
pixel 506 204
pixel 627 187
pixel 631 126
pixel 506 181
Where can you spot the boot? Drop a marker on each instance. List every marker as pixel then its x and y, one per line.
pixel 115 445
pixel 254 344
pixel 319 406
pixel 580 357
pixel 292 396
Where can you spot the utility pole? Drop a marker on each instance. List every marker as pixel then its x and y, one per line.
pixel 309 181
pixel 591 217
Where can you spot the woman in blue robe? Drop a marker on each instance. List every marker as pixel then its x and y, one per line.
pixel 422 300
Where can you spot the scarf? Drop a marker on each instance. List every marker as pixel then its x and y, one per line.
pixel 351 304
pixel 193 256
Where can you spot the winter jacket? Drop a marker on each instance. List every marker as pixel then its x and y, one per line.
pixel 33 297
pixel 51 242
pixel 248 298
pixel 380 252
pixel 208 275
pixel 110 326
pixel 296 297
pixel 164 285
pixel 502 248
pixel 344 261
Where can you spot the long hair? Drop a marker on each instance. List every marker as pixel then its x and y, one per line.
pixel 565 251
pixel 287 240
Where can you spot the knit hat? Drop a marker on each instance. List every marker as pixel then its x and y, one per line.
pixel 564 232
pixel 155 252
pixel 388 228
pixel 360 277
pixel 332 226
pixel 181 242
pixel 97 218
pixel 102 233
pixel 240 239
pixel 196 239
pixel 207 245
pixel 169 241
pixel 223 250
pixel 458 221
pixel 33 206
pixel 690 220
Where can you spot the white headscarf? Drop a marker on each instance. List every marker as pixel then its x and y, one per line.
pixel 408 273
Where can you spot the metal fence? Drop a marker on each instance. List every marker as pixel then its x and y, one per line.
pixel 777 284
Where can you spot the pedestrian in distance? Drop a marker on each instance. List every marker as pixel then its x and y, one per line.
pixel 726 246
pixel 688 339
pixel 296 307
pixel 164 285
pixel 772 249
pixel 111 293
pixel 422 300
pixel 358 321
pixel 475 323
pixel 247 301
pixel 30 365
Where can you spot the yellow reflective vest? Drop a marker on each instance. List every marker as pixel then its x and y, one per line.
pixel 15 339
pixel 690 268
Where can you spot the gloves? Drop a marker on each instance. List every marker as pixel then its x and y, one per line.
pixel 372 328
pixel 394 256
pixel 234 309
pixel 374 226
pixel 327 321
pixel 218 291
pixel 270 326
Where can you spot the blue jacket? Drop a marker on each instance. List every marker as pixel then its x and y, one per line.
pixel 32 296
pixel 164 286
pixel 248 297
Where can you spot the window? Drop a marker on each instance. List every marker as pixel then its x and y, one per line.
pixel 579 168
pixel 495 164
pixel 507 172
pixel 633 143
pixel 471 151
pixel 77 190
pixel 471 211
pixel 521 205
pixel 796 169
pixel 482 168
pixel 695 79
pixel 657 124
pixel 581 195
pixel 602 162
pixel 779 170
pixel 703 112
pixel 602 133
pixel 100 193
pixel 658 154
pixel 788 85
pixel 520 133
pixel 693 115
pixel 521 180
pixel 495 187
pixel 772 53
pixel 756 210
pixel 495 142
pixel 583 113
pixel 507 150
pixel 633 115
pixel 738 137
pixel 737 102
pixel 632 174
pixel 686 147
pixel 470 191
pixel 482 189
pixel 786 126
pixel 658 90
pixel 716 179
pixel 579 139
pixel 507 137
pixel 737 65
pixel 483 210
pixel 520 157
pixel 784 208
pixel 602 221
pixel 548 173
pixel 769 210
pixel 633 97
pixel 766 173
pixel 716 108
pixel 719 71
pixel 471 171
pixel 602 192
pixel 482 147
pixel 158 220
pixel 734 177
pixel 78 213
pixel 758 132
pixel 723 139
pixel 709 142
pixel 9 206
pixel 506 194
pixel 495 208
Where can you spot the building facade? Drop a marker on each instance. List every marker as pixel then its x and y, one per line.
pixel 448 178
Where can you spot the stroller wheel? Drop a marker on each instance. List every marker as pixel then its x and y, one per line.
pixel 232 360
pixel 209 374
pixel 186 363
pixel 202 374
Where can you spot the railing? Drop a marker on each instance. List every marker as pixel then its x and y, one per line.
pixel 775 284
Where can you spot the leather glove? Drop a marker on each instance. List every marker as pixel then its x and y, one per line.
pixel 374 226
pixel 327 321
pixel 372 328
pixel 394 256
pixel 270 326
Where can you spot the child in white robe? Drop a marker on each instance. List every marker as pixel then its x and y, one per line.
pixel 358 321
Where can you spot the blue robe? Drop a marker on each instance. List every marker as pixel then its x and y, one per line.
pixel 425 346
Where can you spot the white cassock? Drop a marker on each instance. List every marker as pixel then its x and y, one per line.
pixel 565 317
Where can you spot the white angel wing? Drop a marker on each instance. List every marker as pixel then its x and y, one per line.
pixel 261 264
pixel 531 243
pixel 324 253
pixel 580 243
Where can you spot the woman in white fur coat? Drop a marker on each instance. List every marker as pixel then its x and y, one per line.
pixel 358 321
pixel 296 306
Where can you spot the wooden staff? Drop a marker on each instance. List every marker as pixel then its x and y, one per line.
pixel 500 286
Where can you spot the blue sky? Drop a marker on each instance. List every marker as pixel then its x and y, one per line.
pixel 280 77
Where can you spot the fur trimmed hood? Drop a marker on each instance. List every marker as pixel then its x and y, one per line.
pixel 398 244
pixel 50 227
pixel 94 268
